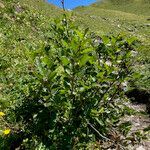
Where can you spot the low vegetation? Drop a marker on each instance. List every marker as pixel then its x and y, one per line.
pixel 127 17
pixel 63 86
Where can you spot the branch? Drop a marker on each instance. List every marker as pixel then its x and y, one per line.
pixel 102 136
pixel 63 4
pixel 98 132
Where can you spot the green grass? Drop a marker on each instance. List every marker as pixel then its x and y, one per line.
pixel 24 25
pixel 139 7
pixel 112 21
pixel 126 17
pixel 48 10
pixel 26 29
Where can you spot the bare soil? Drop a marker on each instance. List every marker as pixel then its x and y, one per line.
pixel 140 121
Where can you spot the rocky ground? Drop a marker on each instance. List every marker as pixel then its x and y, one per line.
pixel 140 121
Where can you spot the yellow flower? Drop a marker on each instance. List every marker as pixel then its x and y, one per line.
pixel 6 131
pixel 2 114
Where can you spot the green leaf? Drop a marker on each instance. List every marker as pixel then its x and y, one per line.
pixel 86 31
pixel 52 75
pixel 79 34
pixel 65 60
pixel 87 50
pixel 101 110
pixel 47 61
pixel 84 59
pixel 40 67
pixel 100 122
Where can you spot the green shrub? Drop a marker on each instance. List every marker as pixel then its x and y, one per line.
pixel 72 94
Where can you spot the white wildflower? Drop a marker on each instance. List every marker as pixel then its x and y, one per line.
pixel 108 63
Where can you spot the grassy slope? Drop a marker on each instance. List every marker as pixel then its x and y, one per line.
pixel 139 7
pixel 32 16
pixel 107 17
pixel 48 10
pixel 128 17
pixel 24 22
pixel 20 30
pixel 23 25
pixel 102 17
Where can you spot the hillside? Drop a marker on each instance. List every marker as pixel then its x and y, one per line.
pixel 126 17
pixel 116 16
pixel 106 17
pixel 23 25
pixel 139 7
pixel 26 18
pixel 60 88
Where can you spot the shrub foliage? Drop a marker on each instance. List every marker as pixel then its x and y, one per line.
pixel 72 93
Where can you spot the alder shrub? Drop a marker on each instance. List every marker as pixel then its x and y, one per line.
pixel 73 93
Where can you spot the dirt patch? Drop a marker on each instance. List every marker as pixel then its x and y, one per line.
pixel 139 121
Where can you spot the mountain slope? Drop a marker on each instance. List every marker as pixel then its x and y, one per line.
pixel 131 17
pixel 139 7
pixel 24 23
pixel 24 27
pixel 106 20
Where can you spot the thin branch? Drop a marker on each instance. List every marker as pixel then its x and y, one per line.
pixel 63 4
pixel 98 132
pixel 102 136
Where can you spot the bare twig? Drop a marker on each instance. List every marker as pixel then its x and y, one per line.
pixel 63 4
pixel 102 136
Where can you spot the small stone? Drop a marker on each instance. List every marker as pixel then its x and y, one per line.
pixel 118 26
pixel 2 5
pixel 140 148
pixel 148 25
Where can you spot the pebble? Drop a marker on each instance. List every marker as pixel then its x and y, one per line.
pixel 140 148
